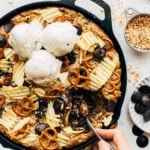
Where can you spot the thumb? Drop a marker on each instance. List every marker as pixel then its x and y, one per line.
pixel 102 145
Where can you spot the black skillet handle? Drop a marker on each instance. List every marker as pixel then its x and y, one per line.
pixel 107 22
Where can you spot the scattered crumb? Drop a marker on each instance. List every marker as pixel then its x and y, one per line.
pixel 133 75
pixel 118 14
pixel 10 1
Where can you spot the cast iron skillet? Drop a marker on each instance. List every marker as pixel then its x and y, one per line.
pixel 105 24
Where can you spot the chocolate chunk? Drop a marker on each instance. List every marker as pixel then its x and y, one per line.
pixel 111 106
pixel 8 26
pixel 40 112
pixel 142 141
pixel 136 131
pixel 43 103
pixel 79 29
pixel 136 97
pixel 146 116
pixel 71 57
pixel 99 53
pixel 59 105
pixel 2 41
pixel 40 127
pixel 145 89
pixel 1 112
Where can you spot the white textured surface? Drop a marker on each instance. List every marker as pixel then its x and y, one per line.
pixel 138 62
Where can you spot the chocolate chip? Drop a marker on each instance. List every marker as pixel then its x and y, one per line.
pixel 136 131
pixel 40 112
pixel 40 127
pixel 79 29
pixel 142 141
pixel 2 41
pixel 1 112
pixel 59 105
pixel 8 26
pixel 43 103
pixel 99 53
pixel 71 57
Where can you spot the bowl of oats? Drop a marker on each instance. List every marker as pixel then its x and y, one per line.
pixel 137 30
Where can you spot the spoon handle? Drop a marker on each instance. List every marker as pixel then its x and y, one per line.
pixel 97 135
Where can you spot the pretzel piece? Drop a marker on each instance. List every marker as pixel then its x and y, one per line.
pixel 79 79
pixel 2 100
pixel 48 139
pixel 23 108
pixel 86 59
pixel 21 133
pixel 54 93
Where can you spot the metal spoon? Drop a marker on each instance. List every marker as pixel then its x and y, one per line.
pixel 97 135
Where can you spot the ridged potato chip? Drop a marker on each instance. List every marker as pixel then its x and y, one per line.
pixel 89 41
pixel 8 53
pixel 50 14
pixel 16 92
pixel 34 97
pixel 52 119
pixel 102 73
pixel 9 119
pixel 63 139
pixel 39 92
pixel 30 138
pixel 5 65
pixel 18 73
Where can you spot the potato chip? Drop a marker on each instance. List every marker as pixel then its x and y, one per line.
pixel 5 65
pixel 9 119
pixel 39 92
pixel 8 53
pixel 34 97
pixel 50 14
pixel 18 73
pixel 63 139
pixel 16 92
pixel 21 124
pixel 52 119
pixel 101 74
pixel 89 41
pixel 30 138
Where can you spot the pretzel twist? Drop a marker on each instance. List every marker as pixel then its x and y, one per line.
pixel 54 93
pixel 65 65
pixel 22 133
pixel 48 139
pixel 86 57
pixel 23 108
pixel 2 100
pixel 77 79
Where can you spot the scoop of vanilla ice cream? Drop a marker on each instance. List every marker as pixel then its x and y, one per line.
pixel 42 67
pixel 59 38
pixel 25 38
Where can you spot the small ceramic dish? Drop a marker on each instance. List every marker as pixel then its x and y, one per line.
pixel 131 15
pixel 137 118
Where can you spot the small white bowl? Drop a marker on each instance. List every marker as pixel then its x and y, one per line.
pixel 137 118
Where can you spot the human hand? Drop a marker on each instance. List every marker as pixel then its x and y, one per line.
pixel 116 136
